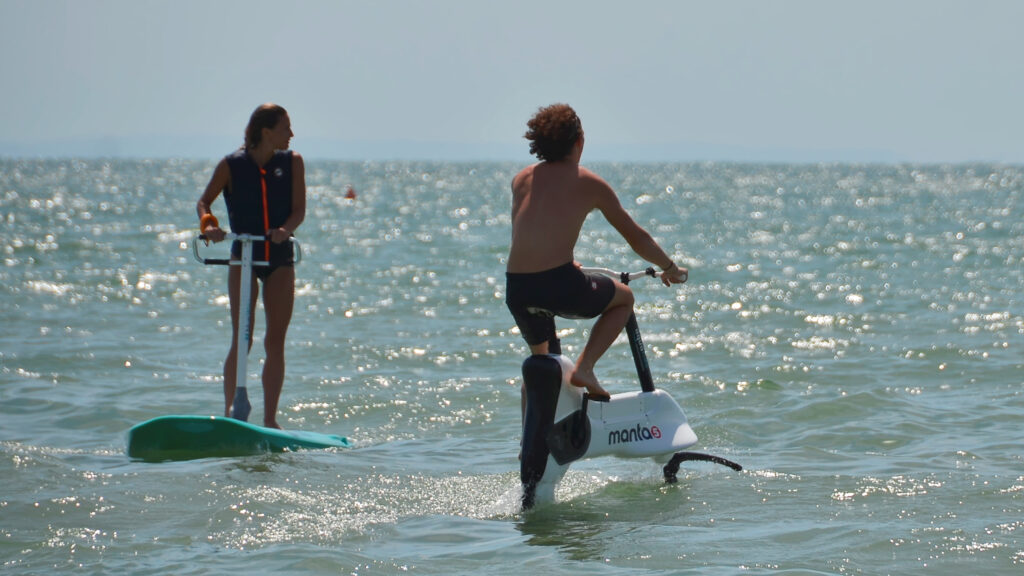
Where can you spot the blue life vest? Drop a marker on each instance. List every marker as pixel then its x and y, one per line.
pixel 248 212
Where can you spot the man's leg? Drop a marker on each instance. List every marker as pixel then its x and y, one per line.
pixel 541 348
pixel 605 331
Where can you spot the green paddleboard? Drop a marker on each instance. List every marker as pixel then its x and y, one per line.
pixel 190 437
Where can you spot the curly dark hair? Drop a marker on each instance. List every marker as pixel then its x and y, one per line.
pixel 553 131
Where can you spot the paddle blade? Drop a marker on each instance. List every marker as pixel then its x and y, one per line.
pixel 240 408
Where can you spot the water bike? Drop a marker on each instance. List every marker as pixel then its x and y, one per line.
pixel 563 423
pixel 183 437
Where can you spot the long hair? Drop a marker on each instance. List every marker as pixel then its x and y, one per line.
pixel 266 116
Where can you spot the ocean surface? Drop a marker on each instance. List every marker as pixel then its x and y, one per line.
pixel 851 334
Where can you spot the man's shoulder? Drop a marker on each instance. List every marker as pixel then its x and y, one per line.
pixel 524 175
pixel 591 179
pixel 527 170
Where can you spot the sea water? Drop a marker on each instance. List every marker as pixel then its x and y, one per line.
pixel 851 334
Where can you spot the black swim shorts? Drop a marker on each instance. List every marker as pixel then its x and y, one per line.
pixel 264 272
pixel 282 254
pixel 536 298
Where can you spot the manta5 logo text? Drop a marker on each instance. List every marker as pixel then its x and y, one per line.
pixel 633 434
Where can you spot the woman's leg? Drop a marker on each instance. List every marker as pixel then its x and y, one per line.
pixel 278 302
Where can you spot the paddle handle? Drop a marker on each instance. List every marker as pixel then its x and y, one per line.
pixel 245 239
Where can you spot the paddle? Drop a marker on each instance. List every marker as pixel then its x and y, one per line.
pixel 240 406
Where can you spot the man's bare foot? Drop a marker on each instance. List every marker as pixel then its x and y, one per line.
pixel 586 379
pixel 272 424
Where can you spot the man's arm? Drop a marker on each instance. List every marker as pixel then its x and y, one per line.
pixel 639 239
pixel 635 235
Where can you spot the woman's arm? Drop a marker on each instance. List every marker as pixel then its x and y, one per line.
pixel 208 225
pixel 298 213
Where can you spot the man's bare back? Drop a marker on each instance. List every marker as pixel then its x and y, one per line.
pixel 550 202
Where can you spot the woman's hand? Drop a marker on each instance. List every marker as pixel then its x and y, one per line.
pixel 279 235
pixel 214 233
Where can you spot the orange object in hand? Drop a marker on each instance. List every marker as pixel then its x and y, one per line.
pixel 208 219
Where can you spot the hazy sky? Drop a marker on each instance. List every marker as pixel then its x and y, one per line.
pixel 916 80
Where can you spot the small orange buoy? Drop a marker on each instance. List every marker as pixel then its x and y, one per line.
pixel 350 193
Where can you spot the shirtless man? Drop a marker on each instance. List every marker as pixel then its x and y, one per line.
pixel 550 201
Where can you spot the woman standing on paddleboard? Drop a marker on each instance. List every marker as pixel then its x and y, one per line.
pixel 264 186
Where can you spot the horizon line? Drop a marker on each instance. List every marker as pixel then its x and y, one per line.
pixel 318 149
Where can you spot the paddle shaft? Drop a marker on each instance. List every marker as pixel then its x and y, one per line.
pixel 241 407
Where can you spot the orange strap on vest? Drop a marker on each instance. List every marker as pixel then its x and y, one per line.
pixel 266 214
